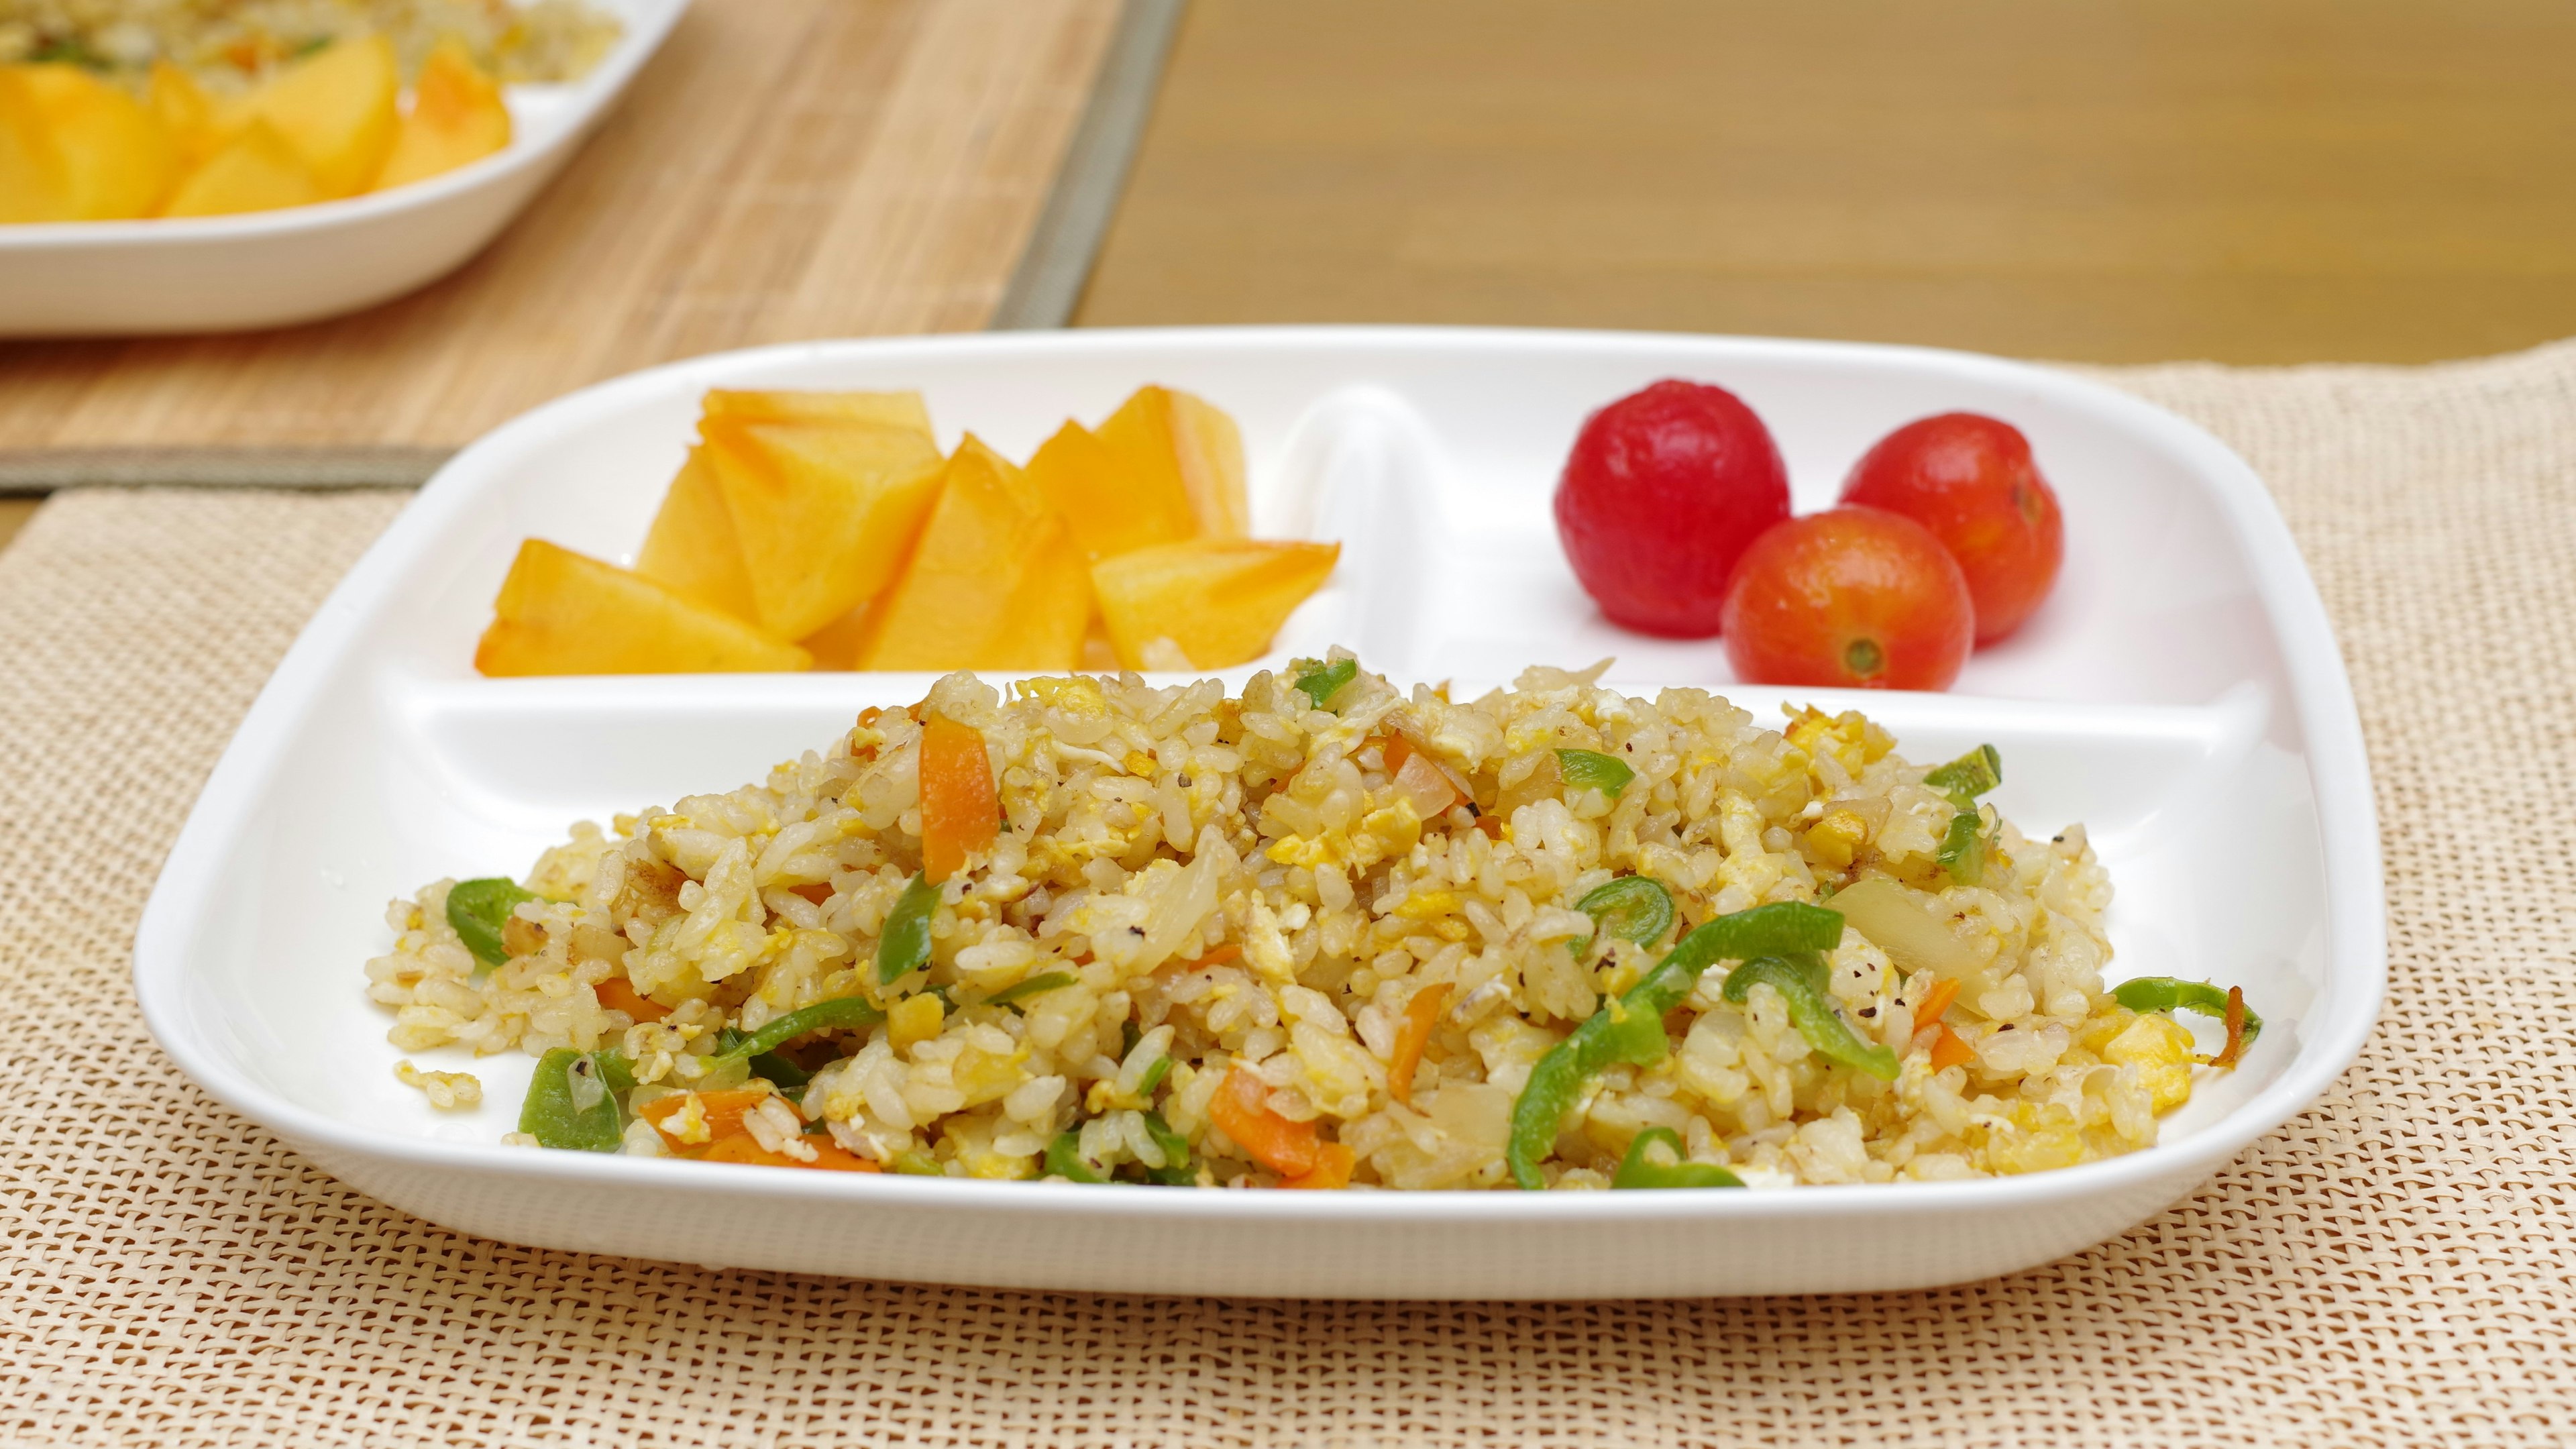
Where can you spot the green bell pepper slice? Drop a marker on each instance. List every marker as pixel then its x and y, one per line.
pixel 777 1070
pixel 1176 1170
pixel 840 1012
pixel 478 909
pixel 1037 985
pixel 1969 776
pixel 1963 846
pixel 904 946
pixel 1630 1028
pixel 1593 770
pixel 1800 980
pixel 1064 1159
pixel 2166 993
pixel 615 1070
pixel 1633 907
pixel 1638 1169
pixel 1319 681
pixel 1778 929
pixel 1152 1081
pixel 554 1112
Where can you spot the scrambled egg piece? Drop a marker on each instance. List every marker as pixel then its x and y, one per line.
pixel 1848 737
pixel 914 1019
pixel 2161 1048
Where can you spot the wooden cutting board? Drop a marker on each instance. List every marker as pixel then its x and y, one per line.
pixel 784 169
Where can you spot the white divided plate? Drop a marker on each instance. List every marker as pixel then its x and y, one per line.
pixel 272 268
pixel 2181 694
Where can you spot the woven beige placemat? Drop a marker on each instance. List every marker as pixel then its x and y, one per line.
pixel 2392 1268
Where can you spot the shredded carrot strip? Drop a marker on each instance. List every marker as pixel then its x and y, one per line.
pixel 1215 957
pixel 829 1156
pixel 819 893
pixel 1398 750
pixel 723 1112
pixel 1333 1164
pixel 959 812
pixel 1241 1109
pixel 1491 824
pixel 1935 1001
pixel 618 994
pixel 1949 1050
pixel 1421 1014
pixel 2234 1051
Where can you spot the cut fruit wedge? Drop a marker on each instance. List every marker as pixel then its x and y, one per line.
pixel 561 612
pixel 692 546
pixel 1166 440
pixel 1112 506
pixel 836 645
pixel 824 511
pixel 255 171
pixel 336 108
pixel 885 409
pixel 111 158
pixel 457 117
pixel 997 581
pixel 186 112
pixel 1221 600
pixel 32 185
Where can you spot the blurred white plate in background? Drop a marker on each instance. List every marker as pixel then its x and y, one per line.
pixel 296 264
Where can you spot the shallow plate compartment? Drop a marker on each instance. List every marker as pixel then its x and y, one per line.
pixel 2182 696
pixel 299 263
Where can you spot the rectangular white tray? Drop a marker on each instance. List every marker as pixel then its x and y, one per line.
pixel 2182 695
pixel 271 268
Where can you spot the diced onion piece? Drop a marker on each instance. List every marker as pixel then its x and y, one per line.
pixel 1900 922
pixel 1421 783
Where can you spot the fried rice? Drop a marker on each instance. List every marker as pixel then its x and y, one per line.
pixel 1202 911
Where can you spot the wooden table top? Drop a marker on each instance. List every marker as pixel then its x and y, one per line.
pixel 2246 180
pixel 2253 181
pixel 784 169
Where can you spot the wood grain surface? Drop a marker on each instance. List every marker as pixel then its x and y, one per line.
pixel 2247 180
pixel 785 169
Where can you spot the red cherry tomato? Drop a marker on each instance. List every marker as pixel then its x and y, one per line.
pixel 1664 489
pixel 1971 481
pixel 1852 598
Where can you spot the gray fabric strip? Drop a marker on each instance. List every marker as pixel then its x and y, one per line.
pixel 50 469
pixel 1057 262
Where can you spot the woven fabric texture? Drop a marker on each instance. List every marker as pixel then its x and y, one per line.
pixel 2391 1268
